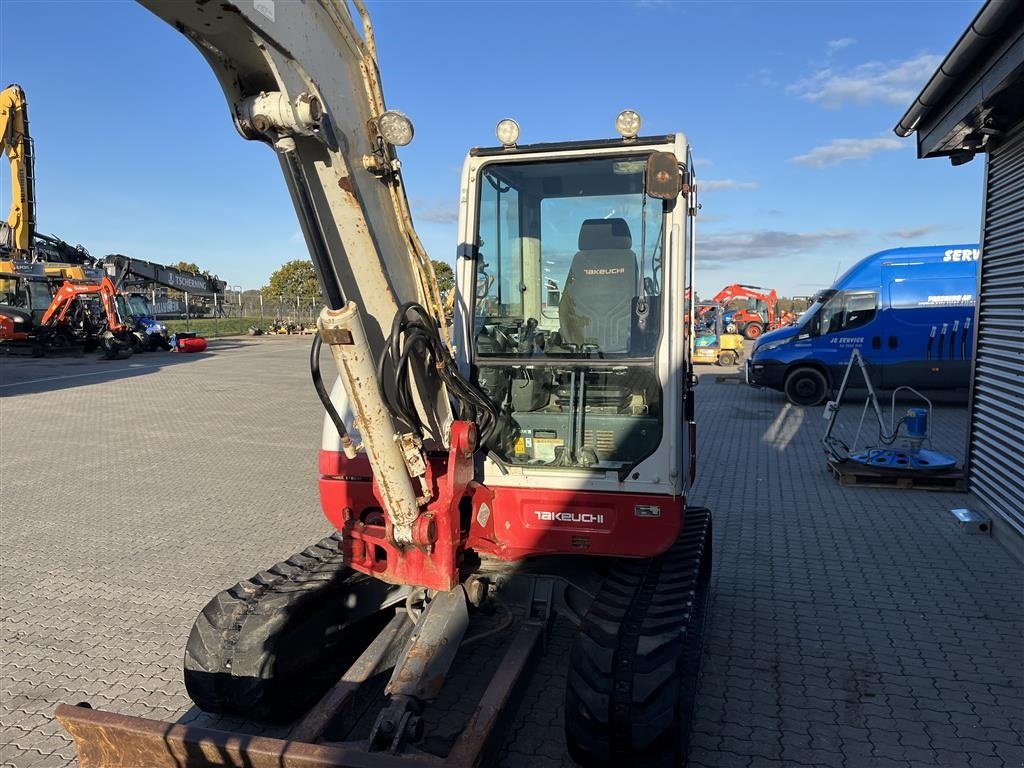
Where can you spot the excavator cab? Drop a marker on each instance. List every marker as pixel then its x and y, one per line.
pixel 574 275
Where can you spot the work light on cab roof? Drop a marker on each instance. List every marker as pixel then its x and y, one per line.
pixel 628 124
pixel 507 132
pixel 395 128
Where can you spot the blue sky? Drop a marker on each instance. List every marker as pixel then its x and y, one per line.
pixel 789 107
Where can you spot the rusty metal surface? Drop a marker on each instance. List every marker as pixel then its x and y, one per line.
pixel 338 703
pixel 474 743
pixel 435 642
pixel 109 740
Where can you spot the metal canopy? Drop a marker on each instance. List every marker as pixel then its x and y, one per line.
pixel 977 92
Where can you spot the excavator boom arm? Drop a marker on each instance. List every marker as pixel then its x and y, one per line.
pixel 16 143
pixel 300 77
pixel 69 291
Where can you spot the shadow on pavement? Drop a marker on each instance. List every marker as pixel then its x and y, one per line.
pixel 22 375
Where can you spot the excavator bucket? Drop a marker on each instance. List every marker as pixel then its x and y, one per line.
pixel 109 740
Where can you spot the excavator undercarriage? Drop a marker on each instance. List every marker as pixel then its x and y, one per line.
pixel 360 663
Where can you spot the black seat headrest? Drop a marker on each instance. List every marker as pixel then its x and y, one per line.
pixel 605 234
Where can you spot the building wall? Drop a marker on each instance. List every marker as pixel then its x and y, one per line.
pixel 996 435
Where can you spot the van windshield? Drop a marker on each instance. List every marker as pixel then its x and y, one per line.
pixel 812 311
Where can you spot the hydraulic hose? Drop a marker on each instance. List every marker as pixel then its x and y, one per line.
pixel 321 390
pixel 414 340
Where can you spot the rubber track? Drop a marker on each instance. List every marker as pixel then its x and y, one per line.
pixel 232 661
pixel 633 667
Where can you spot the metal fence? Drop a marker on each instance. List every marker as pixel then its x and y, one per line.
pixel 233 313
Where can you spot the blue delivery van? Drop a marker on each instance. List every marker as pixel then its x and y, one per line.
pixel 910 312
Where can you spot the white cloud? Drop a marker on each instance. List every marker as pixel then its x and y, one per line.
pixel 751 245
pixel 841 150
pixel 424 210
pixel 764 77
pixel 838 45
pixel 713 185
pixel 912 233
pixel 888 82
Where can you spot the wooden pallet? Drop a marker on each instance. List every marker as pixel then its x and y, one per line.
pixel 852 473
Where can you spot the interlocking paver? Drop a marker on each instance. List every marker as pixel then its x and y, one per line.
pixel 848 627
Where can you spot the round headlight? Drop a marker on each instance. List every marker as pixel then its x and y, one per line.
pixel 395 127
pixel 628 124
pixel 507 132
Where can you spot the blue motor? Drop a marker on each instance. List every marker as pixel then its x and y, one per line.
pixel 916 422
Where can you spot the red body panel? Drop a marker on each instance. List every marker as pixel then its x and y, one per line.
pixel 7 332
pixel 507 523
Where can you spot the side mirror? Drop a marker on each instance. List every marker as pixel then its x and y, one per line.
pixel 663 179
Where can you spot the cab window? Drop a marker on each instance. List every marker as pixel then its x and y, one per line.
pixel 847 310
pixel 860 309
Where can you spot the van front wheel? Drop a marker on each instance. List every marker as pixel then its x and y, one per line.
pixel 806 386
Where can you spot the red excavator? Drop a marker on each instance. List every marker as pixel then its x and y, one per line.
pixel 760 314
pixel 83 314
pixel 529 461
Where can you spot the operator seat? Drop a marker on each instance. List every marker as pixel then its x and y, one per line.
pixel 597 302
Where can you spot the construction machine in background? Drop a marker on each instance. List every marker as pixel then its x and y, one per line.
pixel 18 236
pixel 534 465
pixel 27 288
pixel 761 313
pixel 32 265
pixel 16 142
pixel 82 315
pixel 711 343
pixel 148 333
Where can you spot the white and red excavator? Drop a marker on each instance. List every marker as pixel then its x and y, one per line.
pixel 531 460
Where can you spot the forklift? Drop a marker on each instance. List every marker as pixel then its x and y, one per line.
pixel 711 344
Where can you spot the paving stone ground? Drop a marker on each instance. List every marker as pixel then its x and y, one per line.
pixel 848 627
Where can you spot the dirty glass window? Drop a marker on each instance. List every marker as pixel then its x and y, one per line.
pixel 568 311
pixel 499 249
pixel 569 260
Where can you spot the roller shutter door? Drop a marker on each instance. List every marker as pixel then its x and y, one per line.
pixel 996 448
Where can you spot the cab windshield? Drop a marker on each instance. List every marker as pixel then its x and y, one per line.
pixel 138 306
pixel 567 310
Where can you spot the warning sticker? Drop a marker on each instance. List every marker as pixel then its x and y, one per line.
pixel 544 447
pixel 266 7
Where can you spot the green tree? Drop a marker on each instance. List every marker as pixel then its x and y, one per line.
pixel 445 278
pixel 293 278
pixel 188 266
